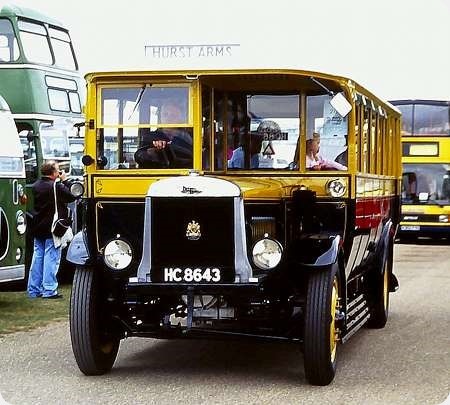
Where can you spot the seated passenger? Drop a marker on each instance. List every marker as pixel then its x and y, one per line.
pixel 342 157
pixel 314 161
pixel 238 157
pixel 166 147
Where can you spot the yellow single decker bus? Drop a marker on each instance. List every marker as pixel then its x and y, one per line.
pixel 426 168
pixel 235 204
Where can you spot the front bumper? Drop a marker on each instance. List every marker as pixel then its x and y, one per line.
pixel 161 289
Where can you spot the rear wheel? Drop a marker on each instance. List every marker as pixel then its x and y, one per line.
pixel 321 332
pixel 94 350
pixel 379 308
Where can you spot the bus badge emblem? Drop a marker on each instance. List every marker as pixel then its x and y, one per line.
pixel 190 190
pixel 193 231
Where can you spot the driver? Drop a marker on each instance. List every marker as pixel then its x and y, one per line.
pixel 167 146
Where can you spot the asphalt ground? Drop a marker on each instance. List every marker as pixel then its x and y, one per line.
pixel 407 362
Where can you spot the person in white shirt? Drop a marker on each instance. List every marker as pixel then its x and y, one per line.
pixel 314 161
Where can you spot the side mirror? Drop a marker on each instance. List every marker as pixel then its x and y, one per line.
pixel 87 160
pixel 341 105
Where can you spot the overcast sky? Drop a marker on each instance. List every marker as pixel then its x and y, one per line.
pixel 395 48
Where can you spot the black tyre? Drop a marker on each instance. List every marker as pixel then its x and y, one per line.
pixel 379 296
pixel 320 337
pixel 94 351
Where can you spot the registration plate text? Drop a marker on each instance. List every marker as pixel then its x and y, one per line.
pixel 189 275
pixel 410 228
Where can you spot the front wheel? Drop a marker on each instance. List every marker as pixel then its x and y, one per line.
pixel 321 332
pixel 95 351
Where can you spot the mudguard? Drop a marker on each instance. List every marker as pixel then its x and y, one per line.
pixel 78 252
pixel 326 257
pixel 384 239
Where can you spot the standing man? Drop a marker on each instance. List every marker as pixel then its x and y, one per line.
pixel 42 280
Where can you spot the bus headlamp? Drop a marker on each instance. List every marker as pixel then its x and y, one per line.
pixel 21 224
pixel 117 254
pixel 267 253
pixel 443 218
pixel 77 189
pixel 336 188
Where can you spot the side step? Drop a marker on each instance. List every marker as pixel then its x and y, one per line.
pixel 357 315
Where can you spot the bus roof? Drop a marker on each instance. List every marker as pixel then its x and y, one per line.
pixel 420 101
pixel 10 10
pixel 344 81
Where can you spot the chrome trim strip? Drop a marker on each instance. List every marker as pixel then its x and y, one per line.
pixel 12 273
pixel 241 263
pixel 71 73
pixel 145 266
pixel 46 117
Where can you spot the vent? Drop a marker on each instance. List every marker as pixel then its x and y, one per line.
pixel 261 226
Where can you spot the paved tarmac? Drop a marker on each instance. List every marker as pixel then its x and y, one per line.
pixel 408 362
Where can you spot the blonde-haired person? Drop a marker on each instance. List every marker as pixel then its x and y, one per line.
pixel 314 161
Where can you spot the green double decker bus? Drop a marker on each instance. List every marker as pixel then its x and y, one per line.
pixel 40 80
pixel 12 200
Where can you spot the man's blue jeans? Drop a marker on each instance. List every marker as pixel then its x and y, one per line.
pixel 44 267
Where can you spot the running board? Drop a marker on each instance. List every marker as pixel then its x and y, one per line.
pixel 357 315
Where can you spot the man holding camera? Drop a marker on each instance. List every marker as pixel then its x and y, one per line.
pixel 42 280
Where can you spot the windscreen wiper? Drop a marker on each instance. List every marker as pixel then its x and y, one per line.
pixel 139 98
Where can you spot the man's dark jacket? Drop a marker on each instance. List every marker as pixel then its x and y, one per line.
pixel 44 205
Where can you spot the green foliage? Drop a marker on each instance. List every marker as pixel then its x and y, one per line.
pixel 19 313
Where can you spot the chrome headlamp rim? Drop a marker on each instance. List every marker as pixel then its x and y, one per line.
pixel 263 244
pixel 76 189
pixel 117 254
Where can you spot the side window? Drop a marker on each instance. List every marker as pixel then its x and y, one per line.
pixel 373 142
pixel 365 141
pixel 220 155
pixel 29 154
pixel 326 135
pixel 358 135
pixel 262 131
pixel 9 49
pixel 206 129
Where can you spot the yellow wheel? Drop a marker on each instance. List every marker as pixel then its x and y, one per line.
pixel 321 334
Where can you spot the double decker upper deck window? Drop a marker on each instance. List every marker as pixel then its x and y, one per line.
pixel 62 49
pixel 9 48
pixel 35 42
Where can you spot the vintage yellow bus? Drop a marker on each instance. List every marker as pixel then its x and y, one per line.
pixel 234 203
